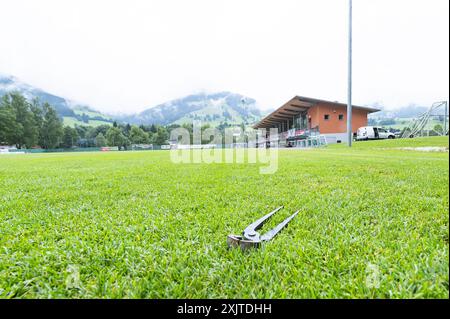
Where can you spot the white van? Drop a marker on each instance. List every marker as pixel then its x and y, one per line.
pixel 373 133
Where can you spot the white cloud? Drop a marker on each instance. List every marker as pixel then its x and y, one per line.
pixel 128 55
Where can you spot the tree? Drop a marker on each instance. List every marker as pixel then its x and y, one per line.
pixel 36 110
pixel 26 132
pixel 81 130
pixel 100 140
pixel 203 129
pixel 18 104
pixel 70 137
pixel 115 137
pixel 161 136
pixel 438 129
pixel 52 128
pixel 387 122
pixel 126 129
pixel 138 135
pixel 8 125
pixel 94 131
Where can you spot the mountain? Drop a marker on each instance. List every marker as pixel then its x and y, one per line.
pixel 215 108
pixel 71 112
pixel 402 117
pixel 410 111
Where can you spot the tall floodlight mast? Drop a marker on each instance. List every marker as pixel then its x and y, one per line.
pixel 349 92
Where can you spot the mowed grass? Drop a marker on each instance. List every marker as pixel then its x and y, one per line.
pixel 373 223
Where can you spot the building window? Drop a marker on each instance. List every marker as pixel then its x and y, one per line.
pixel 326 117
pixel 341 117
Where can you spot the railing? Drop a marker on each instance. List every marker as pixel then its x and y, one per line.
pixel 312 141
pixel 299 133
pixel 288 137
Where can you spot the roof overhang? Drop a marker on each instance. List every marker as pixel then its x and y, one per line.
pixel 295 106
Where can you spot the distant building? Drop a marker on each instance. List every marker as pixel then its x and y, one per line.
pixel 302 117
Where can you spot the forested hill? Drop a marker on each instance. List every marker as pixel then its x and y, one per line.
pixel 210 108
pixel 214 109
pixel 69 111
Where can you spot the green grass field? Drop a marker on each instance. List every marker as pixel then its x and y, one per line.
pixel 71 121
pixel 79 111
pixel 373 223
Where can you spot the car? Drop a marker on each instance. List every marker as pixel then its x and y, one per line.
pixel 373 133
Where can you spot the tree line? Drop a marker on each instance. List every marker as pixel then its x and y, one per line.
pixel 28 124
pixel 32 124
pixel 121 135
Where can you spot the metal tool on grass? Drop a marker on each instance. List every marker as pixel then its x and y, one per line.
pixel 251 238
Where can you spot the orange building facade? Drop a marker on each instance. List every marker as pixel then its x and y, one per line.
pixel 301 117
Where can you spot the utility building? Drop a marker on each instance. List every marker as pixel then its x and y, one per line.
pixel 303 117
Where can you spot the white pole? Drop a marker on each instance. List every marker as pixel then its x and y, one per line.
pixel 349 92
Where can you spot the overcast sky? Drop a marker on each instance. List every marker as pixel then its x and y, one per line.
pixel 125 56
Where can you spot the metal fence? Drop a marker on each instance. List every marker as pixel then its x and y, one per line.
pixel 312 142
pixel 76 149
